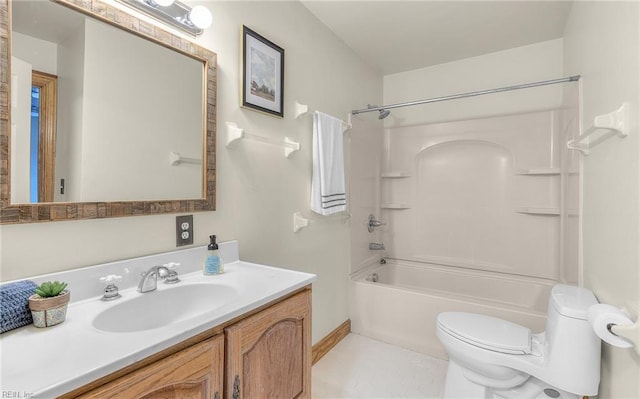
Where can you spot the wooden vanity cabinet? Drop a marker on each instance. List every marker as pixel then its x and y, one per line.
pixel 269 354
pixel 262 355
pixel 193 373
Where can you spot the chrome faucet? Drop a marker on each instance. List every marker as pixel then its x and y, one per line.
pixel 149 280
pixel 373 223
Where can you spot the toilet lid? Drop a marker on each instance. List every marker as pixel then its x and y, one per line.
pixel 486 332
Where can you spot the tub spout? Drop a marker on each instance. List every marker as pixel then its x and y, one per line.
pixel 376 246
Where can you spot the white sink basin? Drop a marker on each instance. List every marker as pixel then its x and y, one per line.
pixel 159 308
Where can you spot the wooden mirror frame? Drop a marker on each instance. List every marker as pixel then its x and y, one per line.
pixel 48 212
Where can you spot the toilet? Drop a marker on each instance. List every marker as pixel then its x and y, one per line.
pixel 490 358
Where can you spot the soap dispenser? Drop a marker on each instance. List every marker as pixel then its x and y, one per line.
pixel 213 262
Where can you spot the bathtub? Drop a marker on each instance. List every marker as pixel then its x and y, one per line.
pixel 401 307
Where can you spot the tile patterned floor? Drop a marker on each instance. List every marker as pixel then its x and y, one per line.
pixel 360 367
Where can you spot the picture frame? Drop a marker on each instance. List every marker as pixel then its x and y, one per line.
pixel 262 74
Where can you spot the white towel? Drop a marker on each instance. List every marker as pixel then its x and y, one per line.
pixel 328 194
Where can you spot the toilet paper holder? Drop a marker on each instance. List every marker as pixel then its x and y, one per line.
pixel 614 326
pixel 630 332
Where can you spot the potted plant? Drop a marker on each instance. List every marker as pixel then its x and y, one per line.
pixel 49 304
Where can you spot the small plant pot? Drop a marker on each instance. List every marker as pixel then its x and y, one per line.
pixel 47 312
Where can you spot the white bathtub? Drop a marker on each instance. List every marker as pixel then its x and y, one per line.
pixel 401 308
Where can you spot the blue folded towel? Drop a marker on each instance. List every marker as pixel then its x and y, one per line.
pixel 14 304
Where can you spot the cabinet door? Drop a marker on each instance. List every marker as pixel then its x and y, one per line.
pixel 194 372
pixel 269 353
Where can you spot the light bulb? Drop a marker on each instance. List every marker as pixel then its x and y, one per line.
pixel 163 3
pixel 201 17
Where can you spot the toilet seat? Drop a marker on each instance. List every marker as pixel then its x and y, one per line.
pixel 486 332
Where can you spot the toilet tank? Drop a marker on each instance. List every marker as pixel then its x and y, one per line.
pixel 571 301
pixel 572 348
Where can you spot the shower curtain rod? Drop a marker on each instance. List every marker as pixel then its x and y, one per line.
pixel 470 94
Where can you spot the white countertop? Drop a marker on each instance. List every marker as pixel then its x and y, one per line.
pixel 47 362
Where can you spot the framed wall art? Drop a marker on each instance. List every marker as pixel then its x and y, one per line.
pixel 262 74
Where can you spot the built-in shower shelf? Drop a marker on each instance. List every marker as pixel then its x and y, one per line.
pixel 539 211
pixel 395 175
pixel 545 211
pixel 394 206
pixel 538 171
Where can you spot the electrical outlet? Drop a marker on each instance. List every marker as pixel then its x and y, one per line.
pixel 184 230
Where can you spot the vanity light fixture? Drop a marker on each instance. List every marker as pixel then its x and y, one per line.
pixel 179 15
pixel 163 3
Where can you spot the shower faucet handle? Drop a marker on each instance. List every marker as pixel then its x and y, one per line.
pixel 373 223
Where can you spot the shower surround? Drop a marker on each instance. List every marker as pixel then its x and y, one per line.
pixel 482 216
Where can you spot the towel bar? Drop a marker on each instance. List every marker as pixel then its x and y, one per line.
pixel 302 109
pixel 616 122
pixel 176 159
pixel 300 221
pixel 234 133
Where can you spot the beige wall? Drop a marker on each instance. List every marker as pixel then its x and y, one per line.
pixel 602 45
pixel 536 62
pixel 69 127
pixel 31 54
pixel 42 55
pixel 258 188
pixel 21 129
pixel 146 72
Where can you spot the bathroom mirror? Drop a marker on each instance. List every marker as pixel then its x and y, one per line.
pixel 127 138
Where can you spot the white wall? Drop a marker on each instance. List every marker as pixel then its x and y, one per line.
pixel 602 45
pixel 536 62
pixel 258 188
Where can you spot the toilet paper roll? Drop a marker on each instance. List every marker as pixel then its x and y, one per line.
pixel 601 317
